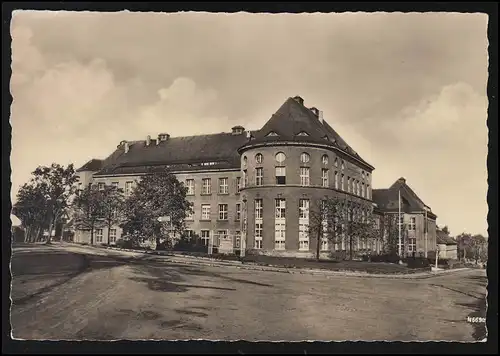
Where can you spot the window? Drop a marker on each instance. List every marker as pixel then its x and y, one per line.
pixel 221 235
pixel 272 133
pixel 128 188
pixel 190 186
pixel 302 133
pixel 336 162
pixel 324 177
pixel 223 186
pixel 343 165
pixel 112 236
pixel 280 224
pixel 205 212
pixel 342 182
pixel 190 215
pixel 324 244
pixel 303 224
pixel 304 209
pixel 237 239
pixel 258 209
pixel 258 235
pixel 412 224
pixel 412 245
pixel 348 184
pixel 238 212
pixel 305 158
pixel 368 191
pixel 336 180
pixel 238 184
pixel 222 211
pixel 304 176
pixel 280 175
pixel 245 160
pixel 363 190
pixel 207 186
pixel 245 178
pixel 358 188
pixel 280 157
pixel 280 208
pixel 259 176
pixel 100 186
pixel 205 237
pixel 98 235
pixel 259 158
pixel 258 223
pixel 324 159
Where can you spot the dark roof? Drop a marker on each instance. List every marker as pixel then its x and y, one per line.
pixel 178 153
pixel 442 238
pixel 387 199
pixel 93 165
pixel 293 118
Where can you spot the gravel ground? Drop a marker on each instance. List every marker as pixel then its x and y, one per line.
pixel 119 297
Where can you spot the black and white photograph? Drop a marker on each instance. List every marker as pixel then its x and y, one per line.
pixel 246 176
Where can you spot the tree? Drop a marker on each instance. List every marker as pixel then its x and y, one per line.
pixel 465 243
pixel 391 234
pixel 112 204
pixel 42 201
pixel 157 194
pixel 57 184
pixel 88 210
pixel 479 248
pixel 337 219
pixel 30 209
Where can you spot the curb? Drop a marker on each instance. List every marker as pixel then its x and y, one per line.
pixel 204 261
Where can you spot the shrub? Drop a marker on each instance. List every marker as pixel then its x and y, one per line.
pixel 190 245
pixel 386 257
pixel 338 255
pixel 365 258
pixel 418 262
pixel 127 244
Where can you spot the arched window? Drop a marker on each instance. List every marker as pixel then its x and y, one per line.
pixel 280 157
pixel 304 157
pixel 244 160
pixel 259 158
pixel 324 159
pixel 336 162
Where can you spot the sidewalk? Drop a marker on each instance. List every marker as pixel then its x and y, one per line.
pixel 211 262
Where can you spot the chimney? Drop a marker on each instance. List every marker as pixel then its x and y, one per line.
pixel 402 180
pixel 315 111
pixel 237 130
pixel 148 140
pixel 126 146
pixel 299 100
pixel 249 135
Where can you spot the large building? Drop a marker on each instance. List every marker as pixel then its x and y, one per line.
pixel 254 188
pixel 418 222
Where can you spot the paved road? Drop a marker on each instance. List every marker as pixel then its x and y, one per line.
pixel 108 295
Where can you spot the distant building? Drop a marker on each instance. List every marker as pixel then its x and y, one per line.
pixel 256 186
pixel 418 220
pixel 447 246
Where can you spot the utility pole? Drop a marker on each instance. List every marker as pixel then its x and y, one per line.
pixel 425 231
pixel 399 222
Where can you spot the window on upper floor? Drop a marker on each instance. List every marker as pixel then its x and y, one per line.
pixel 259 158
pixel 223 185
pixel 128 188
pixel 302 133
pixel 272 133
pixel 223 212
pixel 324 177
pixel 280 157
pixel 305 158
pixel 205 212
pixel 238 184
pixel 190 186
pixel 259 176
pixel 101 185
pixel 304 176
pixel 413 223
pixel 324 159
pixel 280 175
pixel 238 212
pixel 206 187
pixel 336 162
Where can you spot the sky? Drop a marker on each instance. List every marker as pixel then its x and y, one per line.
pixel 406 91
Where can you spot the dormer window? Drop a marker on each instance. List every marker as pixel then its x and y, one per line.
pixel 272 133
pixel 302 133
pixel 326 138
pixel 163 137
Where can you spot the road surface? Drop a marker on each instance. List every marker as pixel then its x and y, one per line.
pixel 105 295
